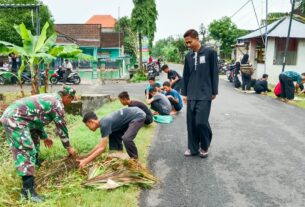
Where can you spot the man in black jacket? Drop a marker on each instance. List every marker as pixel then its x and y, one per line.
pixel 200 87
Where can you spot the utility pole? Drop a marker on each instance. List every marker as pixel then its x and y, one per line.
pixel 119 31
pixel 266 36
pixel 288 36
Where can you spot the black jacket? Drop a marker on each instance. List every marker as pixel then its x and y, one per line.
pixel 200 82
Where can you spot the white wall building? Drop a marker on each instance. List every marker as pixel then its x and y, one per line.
pixel 276 35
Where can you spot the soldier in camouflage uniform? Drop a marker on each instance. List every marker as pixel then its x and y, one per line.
pixel 24 121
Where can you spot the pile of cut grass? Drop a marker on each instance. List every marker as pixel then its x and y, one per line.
pixel 69 192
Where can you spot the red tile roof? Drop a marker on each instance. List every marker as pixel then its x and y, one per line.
pixel 104 20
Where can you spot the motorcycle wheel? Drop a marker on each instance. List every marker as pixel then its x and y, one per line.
pixel 77 80
pixel 2 80
pixel 53 80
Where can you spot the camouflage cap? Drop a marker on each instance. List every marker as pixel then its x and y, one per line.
pixel 67 90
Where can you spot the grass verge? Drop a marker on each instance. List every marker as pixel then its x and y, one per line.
pixel 69 192
pixel 298 103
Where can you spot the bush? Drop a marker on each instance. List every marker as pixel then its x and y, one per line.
pixel 139 77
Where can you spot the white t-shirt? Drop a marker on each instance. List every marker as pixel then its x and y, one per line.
pixel 67 65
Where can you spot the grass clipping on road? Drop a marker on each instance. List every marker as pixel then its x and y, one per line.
pixel 66 188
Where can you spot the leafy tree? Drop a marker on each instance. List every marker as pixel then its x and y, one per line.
pixel 130 37
pixel 14 16
pixel 226 32
pixel 143 21
pixel 203 33
pixel 172 49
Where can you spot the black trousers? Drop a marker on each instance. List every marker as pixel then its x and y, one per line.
pixel 246 82
pixel 198 126
pixel 126 135
pixel 157 106
pixel 66 74
pixel 287 87
pixel 259 89
pixel 149 119
pixel 175 105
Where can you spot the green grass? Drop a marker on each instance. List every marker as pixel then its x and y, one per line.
pixel 299 103
pixel 69 192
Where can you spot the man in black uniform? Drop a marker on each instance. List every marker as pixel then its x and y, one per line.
pixel 200 87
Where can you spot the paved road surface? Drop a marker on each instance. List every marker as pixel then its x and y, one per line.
pixel 257 157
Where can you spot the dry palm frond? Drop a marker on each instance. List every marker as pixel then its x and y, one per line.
pixel 55 170
pixel 114 172
pixel 107 173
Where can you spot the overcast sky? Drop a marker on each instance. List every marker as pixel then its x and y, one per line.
pixel 175 16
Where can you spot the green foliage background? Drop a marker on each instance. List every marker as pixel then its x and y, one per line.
pixel 9 17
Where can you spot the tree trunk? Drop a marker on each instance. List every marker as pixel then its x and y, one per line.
pixel 140 49
pixel 21 87
pixel 35 86
pixel 46 78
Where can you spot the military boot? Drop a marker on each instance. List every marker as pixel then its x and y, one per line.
pixel 28 192
pixel 38 160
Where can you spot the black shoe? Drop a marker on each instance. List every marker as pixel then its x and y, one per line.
pixel 28 192
pixel 203 154
pixel 39 161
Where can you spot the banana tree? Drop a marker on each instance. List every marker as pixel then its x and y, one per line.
pixel 33 52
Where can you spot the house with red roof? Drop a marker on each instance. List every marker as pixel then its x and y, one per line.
pixel 106 21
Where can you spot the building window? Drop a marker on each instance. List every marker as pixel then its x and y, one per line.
pixel 260 53
pixel 291 58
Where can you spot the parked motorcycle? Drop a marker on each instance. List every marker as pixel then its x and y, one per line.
pixel 230 72
pixel 26 77
pixel 8 77
pixel 73 77
pixel 152 70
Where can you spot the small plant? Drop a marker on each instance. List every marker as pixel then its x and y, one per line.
pixel 139 76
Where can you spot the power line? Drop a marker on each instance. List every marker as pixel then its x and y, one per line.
pixel 240 9
pixel 258 22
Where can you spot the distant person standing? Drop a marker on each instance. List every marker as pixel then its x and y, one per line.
pixel 200 87
pixel 67 66
pixel 150 59
pixel 245 59
pixel 246 78
pixel 14 64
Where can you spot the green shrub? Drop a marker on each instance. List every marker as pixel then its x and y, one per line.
pixel 139 77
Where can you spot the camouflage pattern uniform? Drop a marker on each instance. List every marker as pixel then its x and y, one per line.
pixel 24 122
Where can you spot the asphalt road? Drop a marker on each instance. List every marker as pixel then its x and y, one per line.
pixel 257 157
